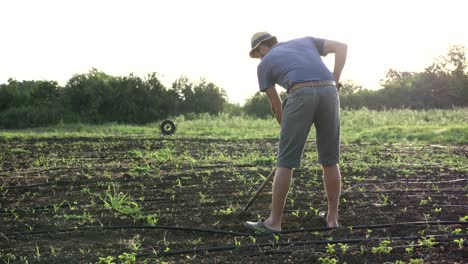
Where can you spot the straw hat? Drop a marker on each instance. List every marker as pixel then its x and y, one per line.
pixel 257 39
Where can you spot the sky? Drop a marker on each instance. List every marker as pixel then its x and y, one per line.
pixel 210 39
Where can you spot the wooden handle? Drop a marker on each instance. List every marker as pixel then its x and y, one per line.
pixel 259 190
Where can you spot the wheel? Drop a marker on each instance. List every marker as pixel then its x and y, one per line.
pixel 168 127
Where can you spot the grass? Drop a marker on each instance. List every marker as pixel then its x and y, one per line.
pixel 366 126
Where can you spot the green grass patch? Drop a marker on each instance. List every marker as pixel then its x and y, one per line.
pixel 391 126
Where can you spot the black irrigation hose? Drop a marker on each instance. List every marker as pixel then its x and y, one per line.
pixel 176 228
pixel 81 182
pixel 214 231
pixel 286 252
pixel 292 243
pixel 377 226
pixel 78 182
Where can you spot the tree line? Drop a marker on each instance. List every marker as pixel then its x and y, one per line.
pixel 96 97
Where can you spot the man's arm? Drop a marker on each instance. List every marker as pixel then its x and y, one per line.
pixel 275 103
pixel 340 50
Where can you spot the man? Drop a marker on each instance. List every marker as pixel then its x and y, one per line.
pixel 297 66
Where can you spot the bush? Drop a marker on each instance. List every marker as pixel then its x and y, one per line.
pixel 30 116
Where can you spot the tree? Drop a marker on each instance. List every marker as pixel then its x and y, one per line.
pixel 202 97
pixel 259 106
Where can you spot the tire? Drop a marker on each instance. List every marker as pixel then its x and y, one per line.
pixel 167 127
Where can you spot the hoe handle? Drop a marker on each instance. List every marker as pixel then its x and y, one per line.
pixel 268 179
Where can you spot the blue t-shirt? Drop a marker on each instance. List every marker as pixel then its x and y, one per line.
pixel 292 62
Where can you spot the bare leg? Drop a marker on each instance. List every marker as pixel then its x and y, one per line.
pixel 281 184
pixel 332 182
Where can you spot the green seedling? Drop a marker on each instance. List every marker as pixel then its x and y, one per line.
pixel 383 248
pixel 330 248
pixel 37 253
pixel 328 260
pixel 296 213
pixel 427 242
pixel 410 248
pixel 343 247
pixel 106 260
pixel 128 258
pixel 314 211
pixel 460 242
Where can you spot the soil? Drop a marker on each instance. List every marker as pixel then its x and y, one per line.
pixel 54 192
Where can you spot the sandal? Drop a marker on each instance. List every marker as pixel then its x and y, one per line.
pixel 259 228
pixel 323 217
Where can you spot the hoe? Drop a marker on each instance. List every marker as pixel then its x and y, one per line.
pixel 259 190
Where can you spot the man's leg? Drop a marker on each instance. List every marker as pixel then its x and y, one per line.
pixel 332 182
pixel 281 184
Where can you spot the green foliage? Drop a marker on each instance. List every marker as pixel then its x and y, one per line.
pixel 444 84
pixel 259 106
pixel 96 97
pixel 328 260
pixel 30 116
pixel 127 258
pixel 357 126
pixel 383 248
pixel 106 260
pixel 202 97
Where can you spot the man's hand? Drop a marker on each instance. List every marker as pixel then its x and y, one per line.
pixel 275 103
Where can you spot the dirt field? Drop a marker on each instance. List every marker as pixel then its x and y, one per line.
pixel 131 199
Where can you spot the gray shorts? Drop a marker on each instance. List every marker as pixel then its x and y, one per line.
pixel 303 107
